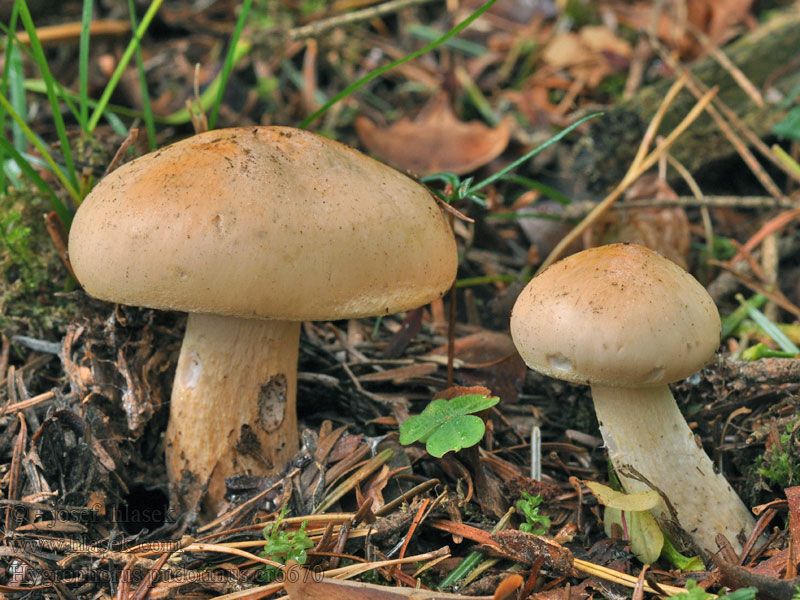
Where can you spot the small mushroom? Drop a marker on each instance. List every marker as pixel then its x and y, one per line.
pixel 252 230
pixel 628 322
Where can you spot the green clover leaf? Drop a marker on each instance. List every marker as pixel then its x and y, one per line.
pixel 447 425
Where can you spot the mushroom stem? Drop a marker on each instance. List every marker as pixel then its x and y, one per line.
pixel 233 405
pixel 646 434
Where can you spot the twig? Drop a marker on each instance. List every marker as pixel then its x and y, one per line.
pixel 70 32
pixel 231 514
pixel 655 122
pixel 697 88
pixel 632 175
pixel 317 27
pixel 133 134
pixel 713 201
pixel 26 404
pixel 37 345
pixel 622 578
pixel 4 355
pixel 773 295
pixel 58 234
pixel 14 470
pixel 698 194
pixel 772 226
pixel 344 487
pixel 726 63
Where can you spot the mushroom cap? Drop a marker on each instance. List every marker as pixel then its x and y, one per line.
pixel 262 222
pixel 620 315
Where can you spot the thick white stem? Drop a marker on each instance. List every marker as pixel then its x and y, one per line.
pixel 646 435
pixel 233 405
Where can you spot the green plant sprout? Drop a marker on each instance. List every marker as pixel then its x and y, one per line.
pixel 282 546
pixel 467 190
pixel 535 523
pixel 684 563
pixel 760 350
pixel 448 425
pixel 695 592
pixel 776 465
pixel 630 513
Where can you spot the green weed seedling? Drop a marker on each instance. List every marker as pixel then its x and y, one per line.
pixel 630 513
pixel 695 592
pixel 282 546
pixel 534 522
pixel 448 425
pixel 777 465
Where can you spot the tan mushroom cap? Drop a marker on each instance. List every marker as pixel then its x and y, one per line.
pixel 264 222
pixel 620 315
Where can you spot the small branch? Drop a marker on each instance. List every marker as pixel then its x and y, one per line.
pixel 318 27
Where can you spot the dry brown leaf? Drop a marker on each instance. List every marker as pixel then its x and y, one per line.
pixel 600 38
pixel 716 18
pixel 434 141
pixel 722 16
pixel 508 586
pixel 568 51
pixel 664 229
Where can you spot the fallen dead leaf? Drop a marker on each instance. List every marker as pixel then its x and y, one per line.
pixel 434 141
pixel 664 229
pixel 600 38
pixel 716 18
pixel 570 52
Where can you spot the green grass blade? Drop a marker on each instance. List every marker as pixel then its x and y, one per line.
pixel 44 69
pixel 65 95
pixel 733 320
pixel 41 147
pixel 381 70
pixel 149 122
pixel 83 62
pixel 58 206
pixel 784 343
pixel 528 155
pixel 532 184
pixel 16 94
pixel 227 66
pixel 429 34
pixel 123 64
pixel 10 53
pixel 179 117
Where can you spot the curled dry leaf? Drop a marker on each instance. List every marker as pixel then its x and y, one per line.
pixel 716 18
pixel 661 228
pixel 584 54
pixel 434 141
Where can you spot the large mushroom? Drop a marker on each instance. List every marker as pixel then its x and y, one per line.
pixel 627 321
pixel 251 231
